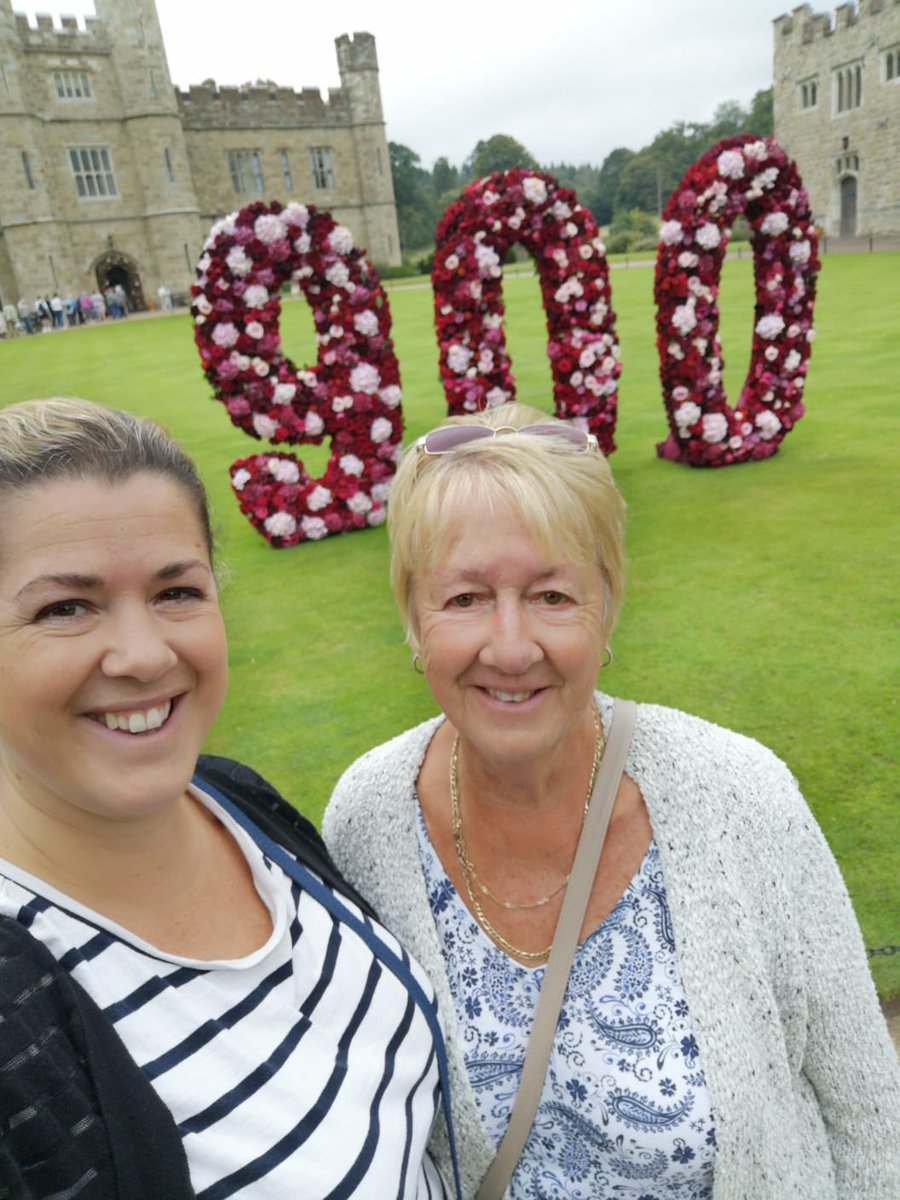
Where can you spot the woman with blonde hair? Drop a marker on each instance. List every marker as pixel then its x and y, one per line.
pixel 692 1018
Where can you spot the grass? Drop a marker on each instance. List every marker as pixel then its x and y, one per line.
pixel 761 596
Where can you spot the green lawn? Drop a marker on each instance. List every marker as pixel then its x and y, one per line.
pixel 761 596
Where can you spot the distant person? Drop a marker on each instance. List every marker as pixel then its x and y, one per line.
pixel 11 313
pixel 86 306
pixel 73 311
pixel 121 300
pixel 99 305
pixel 192 1001
pixel 719 1033
pixel 42 314
pixel 165 297
pixel 57 310
pixel 25 315
pixel 3 326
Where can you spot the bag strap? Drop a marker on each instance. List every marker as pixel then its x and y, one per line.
pixel 565 943
pixel 397 964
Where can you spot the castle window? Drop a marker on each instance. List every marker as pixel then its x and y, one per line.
pixel 808 94
pixel 286 171
pixel 92 168
pixel 167 155
pixel 892 65
pixel 72 85
pixel 26 167
pixel 847 89
pixel 4 86
pixel 245 167
pixel 321 166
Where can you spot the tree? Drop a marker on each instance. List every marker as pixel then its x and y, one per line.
pixel 498 153
pixel 416 207
pixel 762 118
pixel 444 177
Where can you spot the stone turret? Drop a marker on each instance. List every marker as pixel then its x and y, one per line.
pixel 837 111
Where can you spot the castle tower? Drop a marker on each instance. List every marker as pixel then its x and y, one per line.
pixel 376 225
pixel 837 112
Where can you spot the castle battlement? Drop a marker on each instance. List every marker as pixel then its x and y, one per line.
pixel 66 38
pixel 802 25
pixel 266 105
pixel 356 53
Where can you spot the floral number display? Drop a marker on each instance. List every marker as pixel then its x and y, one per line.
pixel 473 239
pixel 351 396
pixel 752 177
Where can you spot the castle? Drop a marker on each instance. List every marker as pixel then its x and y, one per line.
pixel 837 112
pixel 109 175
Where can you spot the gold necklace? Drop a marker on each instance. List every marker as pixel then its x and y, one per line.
pixel 470 875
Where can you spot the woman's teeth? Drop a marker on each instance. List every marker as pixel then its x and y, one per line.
pixel 512 697
pixel 139 721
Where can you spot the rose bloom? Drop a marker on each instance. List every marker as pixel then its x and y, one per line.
pixel 314 528
pixel 366 323
pixel 280 524
pixel 670 232
pixel 359 502
pixel 238 262
pixel 684 318
pixel 534 190
pixel 769 326
pixel 283 470
pixel 715 427
pixel 318 498
pixel 774 224
pixel 239 478
pixel 381 430
pixel 708 236
pixel 685 415
pixel 295 214
pixel 225 334
pixel 255 296
pixel 351 465
pixel 314 424
pixel 269 228
pixel 730 164
pixel 767 424
pixel 264 426
pixel 365 378
pixel 390 396
pixel 254 329
pixel 340 239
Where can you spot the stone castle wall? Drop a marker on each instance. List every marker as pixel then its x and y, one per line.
pixel 844 136
pixel 169 153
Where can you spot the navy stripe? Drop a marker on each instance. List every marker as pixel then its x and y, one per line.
pixel 358 1170
pixel 91 949
pixel 29 912
pixel 149 991
pixel 332 950
pixel 260 1167
pixel 257 1078
pixel 407 1108
pixel 205 1033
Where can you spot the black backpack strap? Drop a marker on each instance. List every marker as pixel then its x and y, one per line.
pixel 277 818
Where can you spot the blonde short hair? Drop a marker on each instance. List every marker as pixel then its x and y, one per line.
pixel 567 498
pixel 43 440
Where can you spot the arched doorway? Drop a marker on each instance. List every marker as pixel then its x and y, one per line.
pixel 115 267
pixel 848 206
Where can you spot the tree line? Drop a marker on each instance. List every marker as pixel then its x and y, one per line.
pixel 626 192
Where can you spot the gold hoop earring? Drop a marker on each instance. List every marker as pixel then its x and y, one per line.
pixel 417 664
pixel 609 658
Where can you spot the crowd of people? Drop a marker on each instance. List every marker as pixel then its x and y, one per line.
pixel 47 313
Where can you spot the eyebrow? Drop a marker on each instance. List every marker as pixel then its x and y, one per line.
pixel 86 583
pixel 477 576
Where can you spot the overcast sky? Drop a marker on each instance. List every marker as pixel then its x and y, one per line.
pixel 570 79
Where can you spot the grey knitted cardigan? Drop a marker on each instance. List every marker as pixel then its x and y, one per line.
pixel 803 1077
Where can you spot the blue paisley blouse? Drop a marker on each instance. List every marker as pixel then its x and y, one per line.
pixel 625 1112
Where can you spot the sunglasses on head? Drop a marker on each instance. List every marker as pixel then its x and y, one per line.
pixel 451 437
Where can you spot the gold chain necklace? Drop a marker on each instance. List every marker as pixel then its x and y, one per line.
pixel 470 875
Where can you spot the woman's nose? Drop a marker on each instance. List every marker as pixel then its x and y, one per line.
pixel 511 645
pixel 138 647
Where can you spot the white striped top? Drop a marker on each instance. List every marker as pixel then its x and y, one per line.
pixel 299 1072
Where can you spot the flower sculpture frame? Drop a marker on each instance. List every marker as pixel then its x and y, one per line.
pixel 473 239
pixel 751 177
pixel 352 395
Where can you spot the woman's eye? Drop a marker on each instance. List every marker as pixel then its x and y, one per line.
pixel 178 595
pixel 463 600
pixel 554 599
pixel 62 610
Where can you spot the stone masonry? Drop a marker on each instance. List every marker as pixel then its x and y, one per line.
pixel 837 112
pixel 107 174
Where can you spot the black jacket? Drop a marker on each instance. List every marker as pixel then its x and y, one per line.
pixel 77 1116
